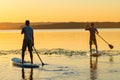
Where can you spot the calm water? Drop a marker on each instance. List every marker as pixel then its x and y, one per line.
pixel 61 67
pixel 73 39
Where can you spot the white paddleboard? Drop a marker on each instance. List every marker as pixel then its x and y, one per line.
pixel 26 64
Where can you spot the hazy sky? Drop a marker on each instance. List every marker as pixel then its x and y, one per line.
pixel 59 10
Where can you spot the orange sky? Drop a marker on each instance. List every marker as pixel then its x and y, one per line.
pixel 59 10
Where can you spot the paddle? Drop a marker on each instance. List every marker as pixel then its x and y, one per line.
pixel 38 56
pixel 110 46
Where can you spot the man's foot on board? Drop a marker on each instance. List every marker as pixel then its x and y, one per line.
pixel 31 62
pixel 97 52
pixel 90 51
pixel 22 61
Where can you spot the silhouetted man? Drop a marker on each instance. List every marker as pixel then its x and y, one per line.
pixel 92 40
pixel 28 40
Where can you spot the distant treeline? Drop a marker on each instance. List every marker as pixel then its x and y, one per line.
pixel 60 25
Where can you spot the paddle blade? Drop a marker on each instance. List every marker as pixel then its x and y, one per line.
pixel 111 46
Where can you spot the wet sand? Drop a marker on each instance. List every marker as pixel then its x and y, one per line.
pixel 61 67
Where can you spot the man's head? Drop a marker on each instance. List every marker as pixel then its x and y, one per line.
pixel 27 22
pixel 92 24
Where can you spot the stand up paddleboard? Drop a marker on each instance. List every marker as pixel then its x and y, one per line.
pixel 95 55
pixel 26 64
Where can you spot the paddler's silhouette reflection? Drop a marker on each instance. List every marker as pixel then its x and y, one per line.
pixel 93 68
pixel 25 77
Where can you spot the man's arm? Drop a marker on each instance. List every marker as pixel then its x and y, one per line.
pixel 22 32
pixel 87 28
pixel 97 31
pixel 33 39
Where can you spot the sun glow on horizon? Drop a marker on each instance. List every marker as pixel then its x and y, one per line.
pixel 59 10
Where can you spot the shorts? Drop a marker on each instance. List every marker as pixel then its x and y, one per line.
pixel 93 41
pixel 27 43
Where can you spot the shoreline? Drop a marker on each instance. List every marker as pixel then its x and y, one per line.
pixel 59 25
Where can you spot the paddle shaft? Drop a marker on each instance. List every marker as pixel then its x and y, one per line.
pixel 38 55
pixel 103 39
pixel 111 46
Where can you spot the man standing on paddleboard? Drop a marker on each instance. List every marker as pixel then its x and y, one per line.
pixel 92 40
pixel 28 40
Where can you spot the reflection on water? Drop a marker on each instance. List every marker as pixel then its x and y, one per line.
pixel 30 77
pixel 111 58
pixel 62 68
pixel 93 68
pixel 93 74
